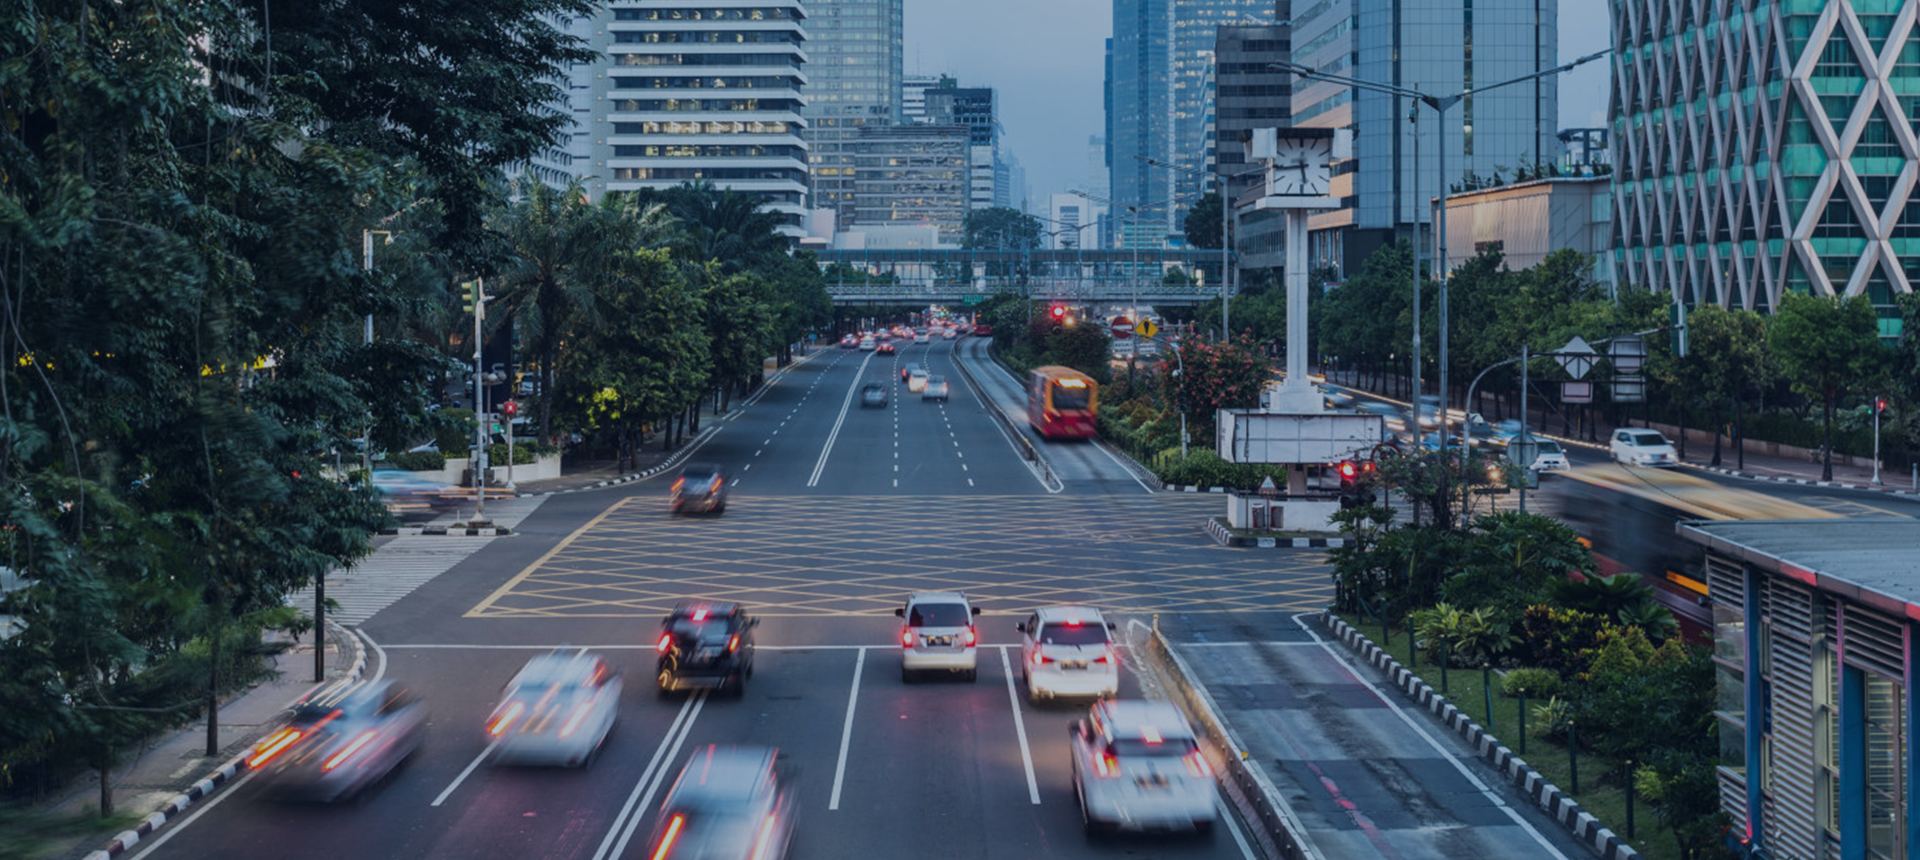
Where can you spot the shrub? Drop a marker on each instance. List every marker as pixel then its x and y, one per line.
pixel 1551 718
pixel 453 430
pixel 417 461
pixel 1534 682
pixel 1204 468
pixel 1560 639
pixel 1471 637
pixel 497 455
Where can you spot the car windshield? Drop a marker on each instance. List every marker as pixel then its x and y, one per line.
pixel 1069 398
pixel 710 630
pixel 1137 748
pixel 1548 446
pixel 1073 634
pixel 1646 439
pixel 938 615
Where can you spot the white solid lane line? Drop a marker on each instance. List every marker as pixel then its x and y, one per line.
pixel 1019 723
pixel 663 758
pixel 827 449
pixel 464 774
pixel 377 652
pixel 200 809
pixel 846 731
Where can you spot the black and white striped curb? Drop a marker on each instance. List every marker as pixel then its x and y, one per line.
pixel 213 782
pixel 1546 795
pixel 414 531
pixel 1188 488
pixel 1225 537
pixel 1808 482
pixel 675 460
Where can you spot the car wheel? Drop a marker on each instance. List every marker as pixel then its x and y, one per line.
pixel 665 682
pixel 720 509
pixel 906 675
pixel 973 675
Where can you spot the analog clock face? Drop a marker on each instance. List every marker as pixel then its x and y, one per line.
pixel 1302 166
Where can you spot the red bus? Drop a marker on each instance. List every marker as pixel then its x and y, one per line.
pixel 1061 402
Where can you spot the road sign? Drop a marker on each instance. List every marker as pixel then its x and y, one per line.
pixel 1576 392
pixel 1122 328
pixel 1628 354
pixel 1523 451
pixel 1576 358
pixel 1146 328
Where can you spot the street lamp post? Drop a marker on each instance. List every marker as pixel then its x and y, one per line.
pixel 1440 105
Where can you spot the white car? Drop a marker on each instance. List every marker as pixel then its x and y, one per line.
pixel 1642 448
pixel 1550 457
pixel 939 635
pixel 558 710
pixel 1067 651
pixel 1138 766
pixel 922 337
pixel 917 379
pixel 935 389
pixel 867 344
pixel 728 802
pixel 946 334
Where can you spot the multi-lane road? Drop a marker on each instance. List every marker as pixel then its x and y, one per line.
pixel 837 512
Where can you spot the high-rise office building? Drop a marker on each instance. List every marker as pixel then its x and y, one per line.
pixel 1440 47
pixel 1248 93
pixel 684 92
pixel 974 108
pixel 912 174
pixel 1156 68
pixel 1766 148
pixel 853 82
pixel 913 95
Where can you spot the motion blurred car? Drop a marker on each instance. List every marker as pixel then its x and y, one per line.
pixel 1067 651
pixel 557 710
pixel 982 330
pixel 400 489
pixel 873 394
pixel 849 342
pixel 1551 458
pixel 867 344
pixel 705 645
pixel 906 373
pixel 1138 766
pixel 1642 448
pixel 885 348
pixel 935 389
pixel 701 488
pixel 730 802
pixel 922 337
pixel 917 379
pixel 340 739
pixel 939 635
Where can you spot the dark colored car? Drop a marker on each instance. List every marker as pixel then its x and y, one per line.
pixel 983 330
pixel 701 487
pixel 907 371
pixel 873 394
pixel 341 739
pixel 705 644
pixel 885 348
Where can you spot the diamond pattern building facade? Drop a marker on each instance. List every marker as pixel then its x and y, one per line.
pixel 1766 146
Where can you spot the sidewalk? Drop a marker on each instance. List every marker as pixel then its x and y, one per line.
pixel 161 779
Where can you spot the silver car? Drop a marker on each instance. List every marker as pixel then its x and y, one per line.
pixel 936 389
pixel 939 635
pixel 557 710
pixel 728 802
pixel 340 739
pixel 1138 766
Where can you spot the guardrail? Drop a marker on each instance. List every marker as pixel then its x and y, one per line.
pixel 1021 443
pixel 1280 832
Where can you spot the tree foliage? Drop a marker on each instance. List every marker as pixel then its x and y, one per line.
pixel 1001 228
pixel 1827 348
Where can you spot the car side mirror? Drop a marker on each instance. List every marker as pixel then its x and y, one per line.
pixel 976 610
pixel 1022 627
pixel 900 612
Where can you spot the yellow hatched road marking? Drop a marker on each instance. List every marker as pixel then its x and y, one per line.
pixel 508 586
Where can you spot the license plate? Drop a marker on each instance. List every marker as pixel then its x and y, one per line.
pixel 1154 781
pixel 940 640
pixel 1074 664
pixel 707 654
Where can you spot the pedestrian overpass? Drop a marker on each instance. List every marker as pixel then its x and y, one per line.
pixel 895 276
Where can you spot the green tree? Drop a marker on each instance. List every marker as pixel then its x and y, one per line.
pixel 1001 228
pixel 1217 375
pixel 801 305
pixel 1726 361
pixel 1365 323
pixel 739 324
pixel 1827 348
pixel 733 228
pixel 648 359
pixel 1202 224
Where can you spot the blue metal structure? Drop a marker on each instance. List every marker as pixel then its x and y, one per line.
pixel 891 276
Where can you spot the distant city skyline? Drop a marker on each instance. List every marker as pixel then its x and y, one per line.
pixel 1046 61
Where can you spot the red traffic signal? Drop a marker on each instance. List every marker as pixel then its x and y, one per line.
pixel 1880 404
pixel 509 408
pixel 1059 312
pixel 1348 471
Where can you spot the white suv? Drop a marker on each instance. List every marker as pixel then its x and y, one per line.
pixel 1138 766
pixel 1642 448
pixel 939 635
pixel 1067 651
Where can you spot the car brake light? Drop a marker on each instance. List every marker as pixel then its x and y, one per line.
pixel 700 615
pixel 733 643
pixel 507 717
pixel 358 744
pixel 970 638
pixel 666 642
pixel 1106 656
pixel 1073 622
pixel 1040 659
pixel 579 716
pixel 677 484
pixel 671 836
pixel 716 485
pixel 762 845
pixel 273 746
pixel 906 638
pixel 1197 764
pixel 1106 766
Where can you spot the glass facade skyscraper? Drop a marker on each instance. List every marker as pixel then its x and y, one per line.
pixel 854 74
pixel 1766 146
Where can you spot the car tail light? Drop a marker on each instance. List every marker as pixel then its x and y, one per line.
pixel 273 746
pixel 677 484
pixel 906 638
pixel 672 835
pixel 506 718
pixel 1106 656
pixel 970 639
pixel 666 642
pixel 717 481
pixel 1197 764
pixel 1040 659
pixel 578 717
pixel 1106 766
pixel 733 643
pixel 358 744
pixel 763 846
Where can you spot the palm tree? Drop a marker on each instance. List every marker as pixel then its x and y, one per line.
pixel 724 225
pixel 561 245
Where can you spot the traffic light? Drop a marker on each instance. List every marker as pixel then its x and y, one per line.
pixel 510 408
pixel 469 294
pixel 1879 404
pixel 1059 313
pixel 1355 490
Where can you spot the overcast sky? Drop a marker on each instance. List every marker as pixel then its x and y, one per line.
pixel 1044 57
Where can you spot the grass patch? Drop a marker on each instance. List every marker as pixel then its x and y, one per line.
pixel 29 834
pixel 1602 781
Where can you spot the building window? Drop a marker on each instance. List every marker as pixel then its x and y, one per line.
pixel 1885 769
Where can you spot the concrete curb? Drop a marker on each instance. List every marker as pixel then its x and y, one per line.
pixel 1182 488
pixel 445 530
pixel 1247 787
pixel 1223 537
pixel 214 781
pixel 678 456
pixel 1809 482
pixel 1544 794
